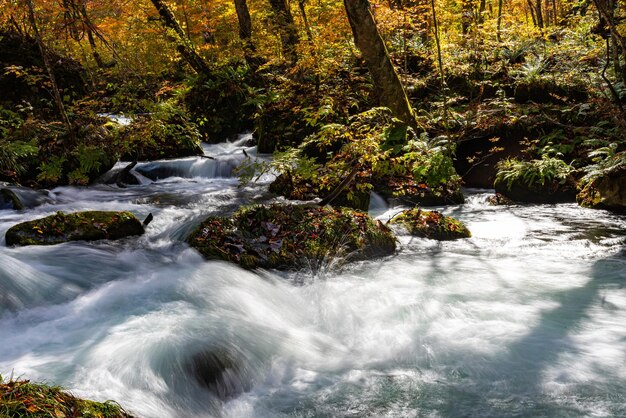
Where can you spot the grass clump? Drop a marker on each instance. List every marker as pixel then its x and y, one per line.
pixel 23 399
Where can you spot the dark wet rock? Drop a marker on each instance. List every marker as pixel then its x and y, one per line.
pixel 220 372
pixel 79 226
pixel 20 198
pixel 9 200
pixel 291 237
pixel 431 224
pixel 499 199
pixel 122 177
pixel 549 192
pixel 605 192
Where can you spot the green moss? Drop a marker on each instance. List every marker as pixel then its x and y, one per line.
pixel 80 226
pixel 432 224
pixel 23 399
pixel 288 236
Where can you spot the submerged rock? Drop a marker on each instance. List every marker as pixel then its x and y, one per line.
pixel 79 226
pixel 20 198
pixel 220 372
pixel 605 192
pixel 289 236
pixel 9 200
pixel 431 224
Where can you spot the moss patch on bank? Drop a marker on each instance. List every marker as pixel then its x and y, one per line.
pixel 431 224
pixel 79 226
pixel 23 399
pixel 291 237
pixel 373 152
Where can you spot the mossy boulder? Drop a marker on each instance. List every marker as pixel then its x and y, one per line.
pixel 291 237
pixel 21 398
pixel 605 192
pixel 168 134
pixel 431 224
pixel 375 152
pixel 79 226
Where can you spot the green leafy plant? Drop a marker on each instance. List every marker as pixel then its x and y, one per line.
pixel 533 173
pixel 606 160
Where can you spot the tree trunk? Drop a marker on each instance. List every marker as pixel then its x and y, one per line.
pixel 539 13
pixel 245 32
pixel 286 28
pixel 183 43
pixel 56 94
pixel 499 24
pixel 386 81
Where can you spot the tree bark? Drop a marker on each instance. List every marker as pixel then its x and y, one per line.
pixel 499 23
pixel 539 13
pixel 183 44
pixel 245 32
pixel 386 81
pixel 56 94
pixel 287 29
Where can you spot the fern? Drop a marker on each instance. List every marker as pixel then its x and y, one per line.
pixel 532 173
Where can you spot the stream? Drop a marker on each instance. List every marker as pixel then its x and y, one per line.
pixel 526 318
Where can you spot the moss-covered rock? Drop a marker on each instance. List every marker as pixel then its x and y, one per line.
pixel 159 136
pixel 431 224
pixel 79 226
pixel 375 151
pixel 605 192
pixel 21 398
pixel 291 237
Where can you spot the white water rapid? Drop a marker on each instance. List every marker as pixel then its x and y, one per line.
pixel 527 318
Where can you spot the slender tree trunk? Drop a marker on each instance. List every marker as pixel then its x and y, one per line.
pixel 386 81
pixel 287 29
pixel 56 94
pixel 539 13
pixel 499 23
pixel 532 12
pixel 467 14
pixel 183 44
pixel 245 33
pixel 481 11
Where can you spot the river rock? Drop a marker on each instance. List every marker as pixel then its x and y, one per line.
pixel 20 198
pixel 550 192
pixel 220 372
pixel 9 200
pixel 606 192
pixel 79 226
pixel 431 224
pixel 290 236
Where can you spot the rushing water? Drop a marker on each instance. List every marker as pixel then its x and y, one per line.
pixel 527 318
